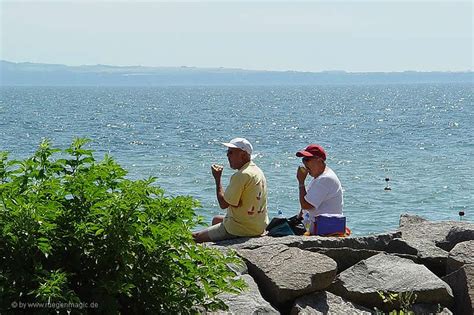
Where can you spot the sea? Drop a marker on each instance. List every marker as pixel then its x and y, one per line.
pixel 417 139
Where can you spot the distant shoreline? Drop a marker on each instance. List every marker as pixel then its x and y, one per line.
pixel 35 74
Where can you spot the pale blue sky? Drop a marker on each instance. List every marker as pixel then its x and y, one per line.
pixel 346 35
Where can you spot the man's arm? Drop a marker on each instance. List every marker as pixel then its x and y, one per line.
pixel 217 173
pixel 220 195
pixel 301 174
pixel 303 203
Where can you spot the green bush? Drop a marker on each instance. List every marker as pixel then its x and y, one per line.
pixel 402 300
pixel 75 230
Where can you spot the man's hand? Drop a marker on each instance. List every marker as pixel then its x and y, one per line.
pixel 301 174
pixel 217 171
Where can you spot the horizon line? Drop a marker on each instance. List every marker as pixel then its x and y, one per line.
pixel 235 69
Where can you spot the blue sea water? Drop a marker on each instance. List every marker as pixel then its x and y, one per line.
pixel 419 136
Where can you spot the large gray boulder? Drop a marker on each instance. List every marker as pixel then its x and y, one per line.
pixel 457 234
pixel 414 227
pixel 284 273
pixel 462 283
pixel 257 242
pixel 425 251
pixel 430 309
pixel 250 301
pixel 326 303
pixel 460 255
pixel 429 240
pixel 345 257
pixel 371 242
pixel 362 283
pixel 376 242
pixel 407 219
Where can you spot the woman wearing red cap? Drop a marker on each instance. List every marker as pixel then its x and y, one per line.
pixel 323 195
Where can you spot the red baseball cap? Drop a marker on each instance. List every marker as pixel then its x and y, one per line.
pixel 312 150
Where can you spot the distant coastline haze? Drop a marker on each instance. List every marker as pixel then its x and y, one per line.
pixel 310 36
pixel 33 74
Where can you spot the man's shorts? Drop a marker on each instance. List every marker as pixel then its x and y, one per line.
pixel 218 232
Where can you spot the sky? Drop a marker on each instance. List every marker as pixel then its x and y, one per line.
pixel 350 35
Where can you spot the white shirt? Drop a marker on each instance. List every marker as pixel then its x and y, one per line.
pixel 325 194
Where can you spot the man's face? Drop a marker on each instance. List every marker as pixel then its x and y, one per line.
pixel 312 164
pixel 235 157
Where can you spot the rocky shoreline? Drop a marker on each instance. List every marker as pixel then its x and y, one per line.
pixel 429 265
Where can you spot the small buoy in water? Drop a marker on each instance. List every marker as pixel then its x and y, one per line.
pixel 461 214
pixel 388 186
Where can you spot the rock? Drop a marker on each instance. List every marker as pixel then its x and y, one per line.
pixel 326 303
pixel 462 283
pixel 239 269
pixel 249 301
pixel 456 235
pixel 430 309
pixel 376 242
pixel 362 283
pixel 345 257
pixel 257 242
pixel 402 246
pixel 410 219
pixel 372 242
pixel 461 254
pixel 425 239
pixel 426 252
pixel 287 268
pixel 415 228
pixel 284 273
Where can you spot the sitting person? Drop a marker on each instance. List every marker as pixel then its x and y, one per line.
pixel 245 198
pixel 323 195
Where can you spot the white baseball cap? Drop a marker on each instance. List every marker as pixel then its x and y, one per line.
pixel 240 143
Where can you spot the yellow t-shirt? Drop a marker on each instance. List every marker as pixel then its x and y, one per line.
pixel 247 196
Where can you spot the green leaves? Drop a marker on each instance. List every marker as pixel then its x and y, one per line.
pixel 44 246
pixel 75 229
pixel 402 300
pixel 53 287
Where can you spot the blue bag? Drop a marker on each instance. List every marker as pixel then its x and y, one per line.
pixel 330 225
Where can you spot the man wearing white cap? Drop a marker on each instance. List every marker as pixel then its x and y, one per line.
pixel 245 198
